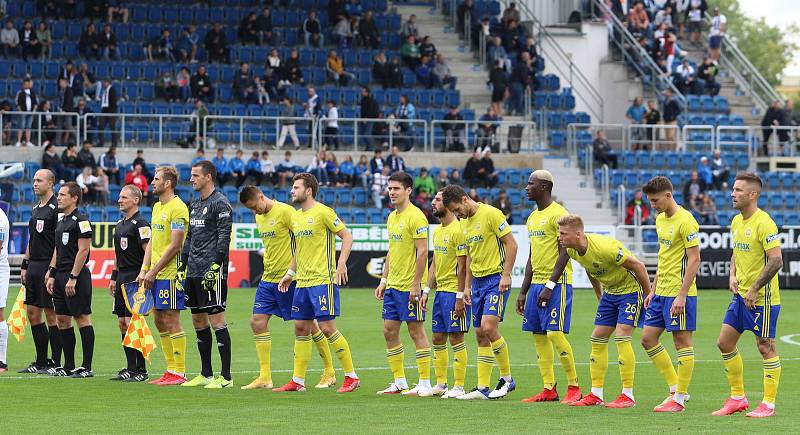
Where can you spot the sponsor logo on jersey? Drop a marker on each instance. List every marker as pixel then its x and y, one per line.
pixel 39 225
pixel 64 238
pixel 123 243
pixel 199 223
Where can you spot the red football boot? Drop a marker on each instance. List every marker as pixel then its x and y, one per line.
pixel 732 406
pixel 290 386
pixel 573 394
pixel 546 395
pixel 588 400
pixel 349 385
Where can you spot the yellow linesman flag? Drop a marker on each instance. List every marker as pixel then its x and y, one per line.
pixel 139 336
pixel 18 321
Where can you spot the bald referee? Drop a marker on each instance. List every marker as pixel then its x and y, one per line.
pixel 70 282
pixel 131 237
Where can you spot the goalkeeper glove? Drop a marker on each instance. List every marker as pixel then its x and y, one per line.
pixel 211 277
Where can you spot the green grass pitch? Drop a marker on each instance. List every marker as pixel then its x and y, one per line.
pixel 40 404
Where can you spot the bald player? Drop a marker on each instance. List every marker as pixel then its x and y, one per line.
pixel 547 309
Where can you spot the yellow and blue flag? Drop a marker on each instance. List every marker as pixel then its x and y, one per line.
pixel 137 298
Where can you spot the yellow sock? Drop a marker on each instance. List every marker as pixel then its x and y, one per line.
pixel 500 349
pixel 663 363
pixel 424 363
pixel 440 360
pixel 166 347
pixel 772 377
pixel 395 356
pixel 302 355
pixel 485 365
pixel 459 363
pixel 342 350
pixel 559 340
pixel 598 361
pixel 179 351
pixel 324 352
pixel 627 361
pixel 685 369
pixel 544 359
pixel 263 349
pixel 734 369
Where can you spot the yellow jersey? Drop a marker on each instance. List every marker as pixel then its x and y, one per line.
pixel 275 230
pixel 752 238
pixel 448 245
pixel 543 235
pixel 675 235
pixel 404 230
pixel 482 233
pixel 173 215
pixel 603 262
pixel 315 245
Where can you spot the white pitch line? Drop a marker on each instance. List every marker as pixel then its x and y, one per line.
pixel 790 339
pixel 368 369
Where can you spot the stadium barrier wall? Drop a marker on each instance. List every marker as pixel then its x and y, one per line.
pixel 38 130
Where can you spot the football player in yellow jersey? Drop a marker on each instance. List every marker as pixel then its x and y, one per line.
pixel 620 283
pixel 491 251
pixel 756 300
pixel 672 306
pixel 318 276
pixel 451 315
pixel 274 224
pixel 160 272
pixel 400 289
pixel 547 311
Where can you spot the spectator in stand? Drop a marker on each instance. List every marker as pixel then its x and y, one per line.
pixel 108 44
pixel 707 72
pixel 243 85
pixel 511 13
pixel 161 47
pixel 110 165
pixel 692 189
pixel 223 167
pixel 287 124
pixel 531 49
pixel 9 40
pixel 786 120
pixel 27 102
pixel 248 30
pixel 236 166
pixel 496 53
pixel 664 18
pixel 51 161
pixel 317 167
pixel 90 124
pixel 395 74
pixel 138 179
pixel 424 71
pixel 72 166
pixel 638 21
pixel 216 45
pixel 268 172
pixel 473 174
pixel 87 181
pixel 377 163
pixel 520 83
pixel 312 110
pixel 486 134
pixel 706 211
pixel 423 201
pixel 166 86
pixel 369 109
pixel 380 69
pixel 465 11
pixel 336 9
pixel 139 160
pixel 252 169
pixel 426 48
pixel 473 195
pixel 488 170
pixel 455 132
pixel 685 78
pixel 772 118
pixel 455 177
pixel 287 168
pixel 513 36
pixel 342 33
pixel 45 39
pixel 201 86
pixel 346 172
pixel 66 108
pixel 395 161
pixel 671 112
pixel 264 26
pixel 108 105
pixel 312 31
pixel 380 182
pixel 695 16
pixel 705 173
pixel 187 44
pixel 335 68
pixel 86 83
pixel 199 124
pixel 503 204
pixel 332 169
pixel 498 83
pixel 368 32
pixel 442 75
pixel 407 111
pixel 47 122
pixel 410 53
pixel 89 43
pixel 719 171
pixel 361 172
pixel 410 29
pixel 199 156
pixel 86 156
pixel 331 133
pixel 101 187
pixel 116 9
pixel 262 93
pixel 424 182
pixel 719 24
pixel 635 115
pixel 29 45
pixel 638 205
pixel 442 180
pixel 601 151
pixel 652 117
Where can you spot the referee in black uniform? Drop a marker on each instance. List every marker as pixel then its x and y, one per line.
pixel 204 262
pixel 70 282
pixel 39 252
pixel 131 236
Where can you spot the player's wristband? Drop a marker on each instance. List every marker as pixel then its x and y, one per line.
pixel 383 281
pixel 52 272
pixel 71 276
pixel 426 290
pixel 459 295
pixel 291 273
pixel 550 284
pixel 24 265
pixel 114 275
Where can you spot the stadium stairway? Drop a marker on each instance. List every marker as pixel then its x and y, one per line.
pixel 578 196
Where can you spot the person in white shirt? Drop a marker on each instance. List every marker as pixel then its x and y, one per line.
pixel 88 183
pixel 718 26
pixel 9 40
pixel 695 21
pixel 380 181
pixel 26 102
pixel 5 276
pixel 312 111
pixel 331 118
pixel 267 168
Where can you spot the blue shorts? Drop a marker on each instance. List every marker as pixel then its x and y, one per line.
pixel 762 323
pixel 167 296
pixel 320 302
pixel 26 121
pixel 556 316
pixel 444 314
pixel 487 299
pixel 658 315
pixel 398 306
pixel 269 300
pixel 715 42
pixel 620 309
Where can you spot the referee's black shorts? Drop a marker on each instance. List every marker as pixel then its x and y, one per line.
pixel 201 301
pixel 123 276
pixel 35 291
pixel 81 302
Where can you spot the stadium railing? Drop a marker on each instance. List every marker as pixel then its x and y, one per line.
pixel 141 129
pixel 621 204
pixel 655 137
pixel 580 135
pixel 247 131
pixel 505 132
pixel 737 137
pixel 405 133
pixel 697 136
pixel 776 146
pixel 39 131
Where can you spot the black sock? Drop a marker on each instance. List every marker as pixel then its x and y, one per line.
pixel 39 333
pixel 55 343
pixel 224 346
pixel 141 367
pixel 204 343
pixel 130 355
pixel 68 343
pixel 87 343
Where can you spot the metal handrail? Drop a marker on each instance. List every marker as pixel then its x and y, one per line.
pixel 391 135
pixel 572 129
pixel 605 183
pixel 529 132
pixel 37 127
pixel 621 192
pixel 574 74
pixel 125 118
